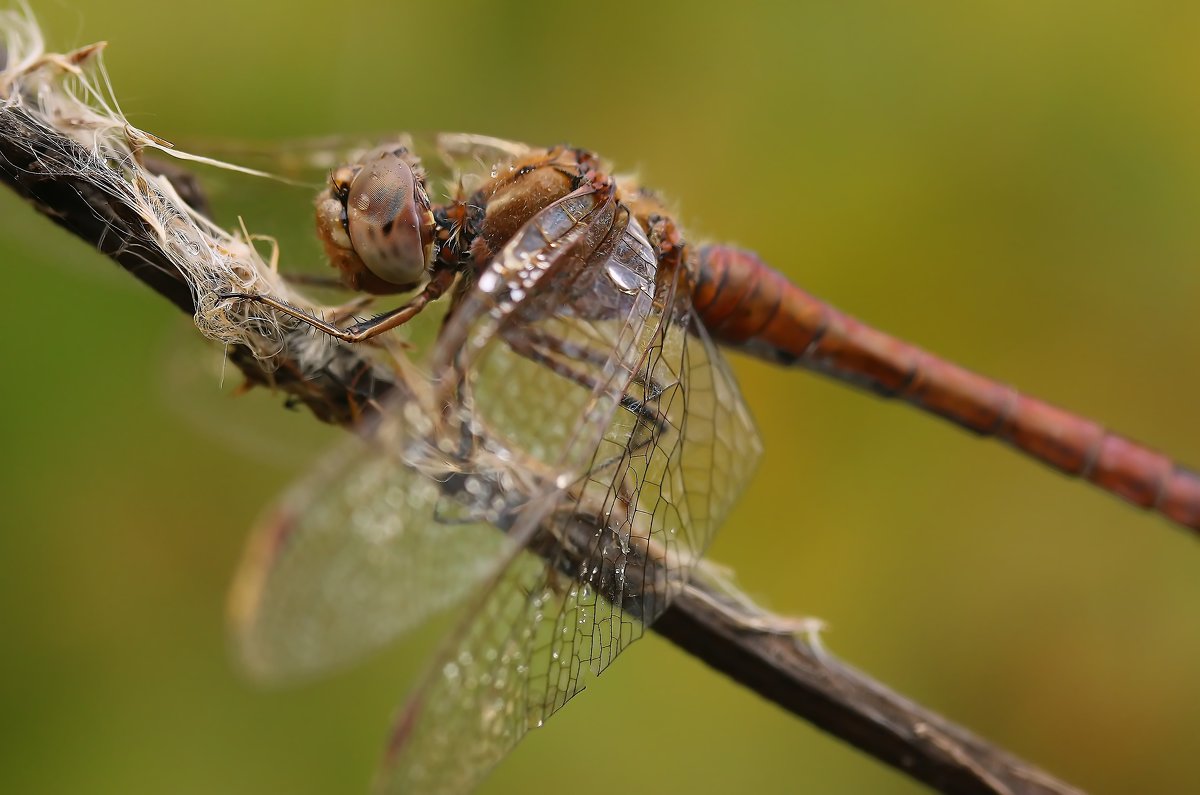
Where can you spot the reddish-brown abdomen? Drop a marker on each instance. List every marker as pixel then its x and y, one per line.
pixel 743 302
pixel 746 304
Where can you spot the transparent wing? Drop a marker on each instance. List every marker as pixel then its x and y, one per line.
pixel 586 576
pixel 378 538
pixel 469 159
pixel 357 553
pixel 448 157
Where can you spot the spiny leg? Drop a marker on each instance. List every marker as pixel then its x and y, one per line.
pixel 351 308
pixel 324 282
pixel 366 329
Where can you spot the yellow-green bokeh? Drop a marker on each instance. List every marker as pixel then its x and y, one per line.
pixel 1013 184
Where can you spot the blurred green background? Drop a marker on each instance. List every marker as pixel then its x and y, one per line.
pixel 1012 184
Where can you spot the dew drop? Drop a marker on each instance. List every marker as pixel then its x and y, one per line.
pixel 488 281
pixel 625 280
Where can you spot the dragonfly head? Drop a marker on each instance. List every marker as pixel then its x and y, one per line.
pixel 375 221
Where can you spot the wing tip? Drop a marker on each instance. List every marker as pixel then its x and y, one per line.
pixel 385 780
pixel 245 604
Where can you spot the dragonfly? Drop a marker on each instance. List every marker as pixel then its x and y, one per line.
pixel 571 441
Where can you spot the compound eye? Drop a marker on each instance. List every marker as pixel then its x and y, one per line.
pixel 384 217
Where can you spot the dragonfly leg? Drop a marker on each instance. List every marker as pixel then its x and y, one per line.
pixel 366 329
pixel 350 308
pixel 540 347
pixel 324 282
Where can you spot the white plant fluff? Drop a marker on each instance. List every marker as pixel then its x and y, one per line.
pixel 61 99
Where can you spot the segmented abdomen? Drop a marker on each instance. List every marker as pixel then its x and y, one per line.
pixel 746 304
